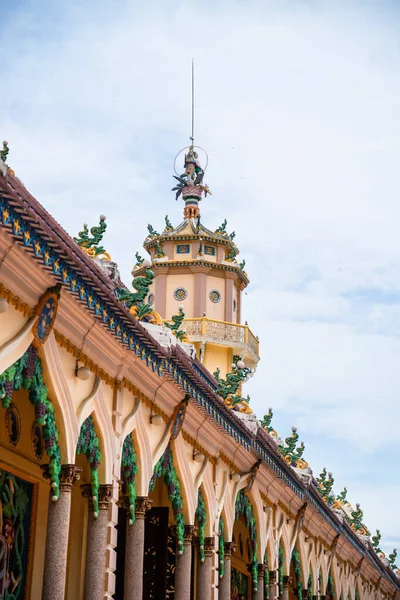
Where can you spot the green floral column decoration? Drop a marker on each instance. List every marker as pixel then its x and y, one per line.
pixel 266 576
pixel 331 588
pixel 89 445
pixel 201 519
pixel 243 506
pixel 27 374
pixel 280 570
pixel 165 468
pixel 129 470
pixel 221 547
pixel 310 584
pixel 297 573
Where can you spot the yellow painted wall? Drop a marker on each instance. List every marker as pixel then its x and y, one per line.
pixel 215 310
pixel 218 356
pixel 185 280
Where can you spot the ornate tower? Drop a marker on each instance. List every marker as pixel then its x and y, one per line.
pixel 197 273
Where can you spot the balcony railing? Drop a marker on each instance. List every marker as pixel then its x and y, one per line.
pixel 221 332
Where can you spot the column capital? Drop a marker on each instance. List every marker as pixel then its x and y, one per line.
pixel 229 548
pixel 143 504
pixel 272 576
pixel 305 594
pixel 190 531
pixel 68 475
pixel 105 495
pixel 287 580
pixel 209 546
pixel 261 571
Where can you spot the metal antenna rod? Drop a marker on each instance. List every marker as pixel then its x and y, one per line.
pixel 192 136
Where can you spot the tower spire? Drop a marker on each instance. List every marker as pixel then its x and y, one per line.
pixel 190 183
pixel 192 136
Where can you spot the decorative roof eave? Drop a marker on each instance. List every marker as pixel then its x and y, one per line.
pixel 172 237
pixel 49 243
pixel 230 267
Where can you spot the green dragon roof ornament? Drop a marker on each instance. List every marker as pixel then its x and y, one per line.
pixel 139 260
pixel 232 254
pixel 135 300
pixel 355 521
pixel 4 152
pixel 325 484
pixel 375 540
pixel 293 453
pixel 91 244
pixel 174 327
pixel 228 387
pixel 392 559
pixel 221 230
pixel 168 225
pixel 141 285
pixel 159 251
pixel 266 421
pixel 152 232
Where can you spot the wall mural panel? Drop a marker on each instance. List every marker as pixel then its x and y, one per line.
pixel 239 585
pixel 17 500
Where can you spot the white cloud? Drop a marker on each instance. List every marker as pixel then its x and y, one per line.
pixel 297 105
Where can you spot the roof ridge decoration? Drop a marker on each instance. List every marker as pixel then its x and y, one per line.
pixel 152 232
pixel 228 387
pixel 340 503
pixel 265 423
pixel 91 244
pixel 4 168
pixel 141 310
pixel 174 327
pixel 168 225
pixel 293 453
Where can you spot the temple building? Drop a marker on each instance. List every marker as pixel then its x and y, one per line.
pixel 131 463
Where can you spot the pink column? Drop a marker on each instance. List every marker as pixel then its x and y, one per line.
pixel 204 575
pixel 55 572
pixel 229 297
pixel 183 568
pixel 272 585
pixel 133 589
pixel 160 292
pixel 225 581
pixel 95 570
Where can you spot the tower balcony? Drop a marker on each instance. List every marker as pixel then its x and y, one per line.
pixel 239 338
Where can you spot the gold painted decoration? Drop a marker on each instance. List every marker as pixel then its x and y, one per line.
pixel 46 311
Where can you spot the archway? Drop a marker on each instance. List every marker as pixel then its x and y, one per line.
pixel 88 459
pixel 126 507
pixel 244 572
pixel 164 531
pixel 29 440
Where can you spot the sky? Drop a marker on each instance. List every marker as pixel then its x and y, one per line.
pixel 297 107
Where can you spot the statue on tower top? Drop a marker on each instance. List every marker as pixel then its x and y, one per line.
pixel 190 184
